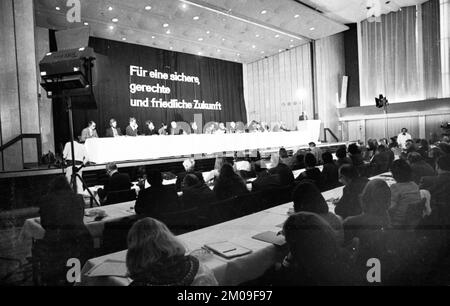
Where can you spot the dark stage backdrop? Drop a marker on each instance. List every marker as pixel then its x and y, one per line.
pixel 212 81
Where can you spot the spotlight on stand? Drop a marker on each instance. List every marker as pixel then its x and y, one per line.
pixel 381 102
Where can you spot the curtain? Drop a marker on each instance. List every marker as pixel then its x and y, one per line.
pixel 388 58
pixel 431 49
pixel 445 46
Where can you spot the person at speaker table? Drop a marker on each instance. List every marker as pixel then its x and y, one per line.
pixel 303 117
pixel 221 129
pixel 155 257
pixel 132 128
pixel 113 130
pixel 150 129
pixel 403 137
pixel 163 129
pixel 89 132
pixel 174 130
pixel 116 181
pixel 194 128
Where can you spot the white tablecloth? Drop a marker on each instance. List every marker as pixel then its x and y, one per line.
pixel 105 150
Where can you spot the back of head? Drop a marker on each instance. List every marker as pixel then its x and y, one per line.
pixel 372 144
pixel 311 239
pixel 111 167
pixel 227 171
pixel 401 171
pixel 312 144
pixel 307 197
pixel 443 163
pixel 154 178
pixel 189 164
pixel 151 245
pixel 414 157
pixel 353 149
pixel 341 152
pixel 283 153
pixel 327 157
pixel 191 180
pixel 59 184
pixel 349 171
pixel 376 198
pixel 310 160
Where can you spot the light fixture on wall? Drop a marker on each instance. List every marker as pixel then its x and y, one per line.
pixel 376 8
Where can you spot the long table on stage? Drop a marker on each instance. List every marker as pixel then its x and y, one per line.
pixel 105 150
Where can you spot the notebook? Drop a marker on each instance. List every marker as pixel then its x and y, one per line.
pixel 109 267
pixel 271 237
pixel 227 249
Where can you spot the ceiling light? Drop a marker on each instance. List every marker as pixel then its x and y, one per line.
pixel 148 8
pixel 165 25
pixel 278 35
pixel 257 35
pixel 312 28
pixel 199 53
pixel 263 12
pixel 86 23
pixel 218 50
pixel 196 18
pixel 262 52
pixel 171 48
pixel 115 20
pixel 184 6
pixel 200 39
pixel 110 8
pixel 168 32
pixel 223 39
pixel 291 40
pixel 253 46
pixel 296 16
pixel 207 32
pixel 291 46
pixel 238 54
pixel 57 8
pixel 153 37
pixel 280 50
pixel 123 38
pixel 111 27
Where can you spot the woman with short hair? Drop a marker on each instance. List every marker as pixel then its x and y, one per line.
pixel 156 257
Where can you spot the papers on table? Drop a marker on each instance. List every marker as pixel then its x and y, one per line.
pixel 227 249
pixel 109 267
pixel 271 237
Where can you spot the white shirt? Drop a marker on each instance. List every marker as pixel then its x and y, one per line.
pixel 401 139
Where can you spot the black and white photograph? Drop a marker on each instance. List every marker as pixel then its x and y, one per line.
pixel 224 149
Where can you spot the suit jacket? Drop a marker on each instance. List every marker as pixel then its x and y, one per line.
pixel 266 181
pixel 182 175
pixel 117 182
pixel 439 187
pixel 85 134
pixel 349 204
pixel 330 176
pixel 314 175
pixel 197 195
pixel 110 133
pixel 149 132
pixel 130 132
pixel 421 169
pixel 155 201
pixel 285 174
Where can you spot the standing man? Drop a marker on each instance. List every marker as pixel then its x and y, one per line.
pixel 132 129
pixel 89 132
pixel 113 130
pixel 402 138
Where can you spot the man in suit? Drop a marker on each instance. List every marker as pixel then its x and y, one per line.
pixel 196 192
pixel 189 167
pixel 439 186
pixel 132 129
pixel 116 182
pixel 157 199
pixel 265 180
pixel 89 132
pixel 150 129
pixel 113 130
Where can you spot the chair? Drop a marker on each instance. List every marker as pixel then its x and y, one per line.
pixel 248 203
pixel 121 196
pixel 180 222
pixel 215 213
pixel 115 235
pixel 276 196
pixel 414 214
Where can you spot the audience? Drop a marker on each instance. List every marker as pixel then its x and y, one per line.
pixel 330 172
pixel 155 257
pixel 264 180
pixel 196 193
pixel 307 197
pixel 284 173
pixel 157 199
pixel 419 167
pixel 439 186
pixel 311 173
pixel 342 157
pixel 229 184
pixel 348 204
pixel 382 160
pixel 116 181
pixel 189 167
pixel 403 193
pixel 285 159
pixel 317 152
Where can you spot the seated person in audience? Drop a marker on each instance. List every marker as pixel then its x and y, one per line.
pixel 317 152
pixel 342 158
pixel 132 128
pixel 214 174
pixel 410 146
pixel 157 199
pixel 371 149
pixel 116 181
pixel 113 130
pixel 155 257
pixel 150 129
pixel 307 197
pixel 330 172
pixel 284 158
pixel 311 173
pixel 403 193
pixel 89 132
pixel 163 129
pixel 419 167
pixel 434 154
pixel 298 160
pixel 265 180
pixel 439 186
pixel 66 236
pixel 355 155
pixel 348 204
pixel 229 184
pixel 315 257
pixel 284 172
pixel 196 193
pixel 369 228
pixel 423 148
pixel 381 161
pixel 189 167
